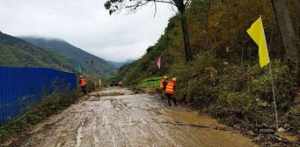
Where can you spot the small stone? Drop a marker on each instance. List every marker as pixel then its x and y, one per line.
pixel 264 104
pixel 286 125
pixel 237 126
pixel 251 133
pixel 281 130
pixel 278 138
pixel 264 125
pixel 267 131
pixel 258 138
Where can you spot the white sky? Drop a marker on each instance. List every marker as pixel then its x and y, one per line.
pixel 87 25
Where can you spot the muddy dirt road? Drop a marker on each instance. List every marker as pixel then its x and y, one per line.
pixel 133 120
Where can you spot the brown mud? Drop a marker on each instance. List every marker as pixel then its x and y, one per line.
pixel 117 117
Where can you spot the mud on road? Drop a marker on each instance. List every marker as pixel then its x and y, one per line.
pixel 133 120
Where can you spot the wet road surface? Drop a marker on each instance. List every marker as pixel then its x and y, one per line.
pixel 118 118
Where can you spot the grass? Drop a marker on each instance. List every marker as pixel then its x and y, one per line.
pixel 153 83
pixel 15 130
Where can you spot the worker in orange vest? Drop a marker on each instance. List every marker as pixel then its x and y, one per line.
pixel 170 91
pixel 163 84
pixel 83 84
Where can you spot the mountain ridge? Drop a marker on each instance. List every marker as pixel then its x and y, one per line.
pixel 19 53
pixel 82 60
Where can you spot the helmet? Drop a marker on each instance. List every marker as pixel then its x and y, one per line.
pixel 165 77
pixel 174 78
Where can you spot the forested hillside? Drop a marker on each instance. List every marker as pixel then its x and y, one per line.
pixel 80 60
pixel 225 78
pixel 17 52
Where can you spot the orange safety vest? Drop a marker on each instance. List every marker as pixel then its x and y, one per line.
pixel 170 88
pixel 82 82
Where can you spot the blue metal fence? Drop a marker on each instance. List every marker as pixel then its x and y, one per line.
pixel 21 87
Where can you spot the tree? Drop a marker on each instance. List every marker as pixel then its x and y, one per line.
pixel 297 3
pixel 287 30
pixel 181 5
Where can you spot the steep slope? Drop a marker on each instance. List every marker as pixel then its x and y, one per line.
pixel 224 78
pixel 17 52
pixel 80 59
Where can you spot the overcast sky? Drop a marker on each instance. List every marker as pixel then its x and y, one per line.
pixel 87 25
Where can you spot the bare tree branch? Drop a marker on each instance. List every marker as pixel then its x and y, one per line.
pixel 188 3
pixel 135 6
pixel 167 2
pixel 117 5
pixel 155 11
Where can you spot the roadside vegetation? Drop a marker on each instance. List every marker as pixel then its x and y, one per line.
pixel 224 78
pixel 14 131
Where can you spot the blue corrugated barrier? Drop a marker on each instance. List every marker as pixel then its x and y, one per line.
pixel 22 87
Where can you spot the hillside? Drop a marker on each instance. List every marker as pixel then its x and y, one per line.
pixel 17 52
pixel 224 78
pixel 80 59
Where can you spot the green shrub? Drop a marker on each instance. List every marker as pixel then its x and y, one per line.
pixel 51 104
pixel 284 81
pixel 197 81
pixel 246 93
pixel 294 119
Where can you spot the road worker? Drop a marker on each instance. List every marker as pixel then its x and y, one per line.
pixel 83 84
pixel 170 91
pixel 163 84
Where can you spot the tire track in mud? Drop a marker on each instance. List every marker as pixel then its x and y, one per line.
pixel 129 120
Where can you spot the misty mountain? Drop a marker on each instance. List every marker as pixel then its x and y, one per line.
pixel 19 53
pixel 80 59
pixel 120 64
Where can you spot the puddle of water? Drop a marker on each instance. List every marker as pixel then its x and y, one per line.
pixel 202 129
pixel 289 137
pixel 190 117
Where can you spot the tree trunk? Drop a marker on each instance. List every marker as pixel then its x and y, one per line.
pixel 297 2
pixel 287 30
pixel 186 38
pixel 297 5
pixel 181 6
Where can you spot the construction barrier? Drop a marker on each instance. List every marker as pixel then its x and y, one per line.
pixel 22 87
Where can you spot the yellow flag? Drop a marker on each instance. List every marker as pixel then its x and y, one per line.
pixel 257 33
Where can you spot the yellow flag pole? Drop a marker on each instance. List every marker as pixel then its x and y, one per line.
pixel 274 98
pixel 257 33
pixel 273 88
